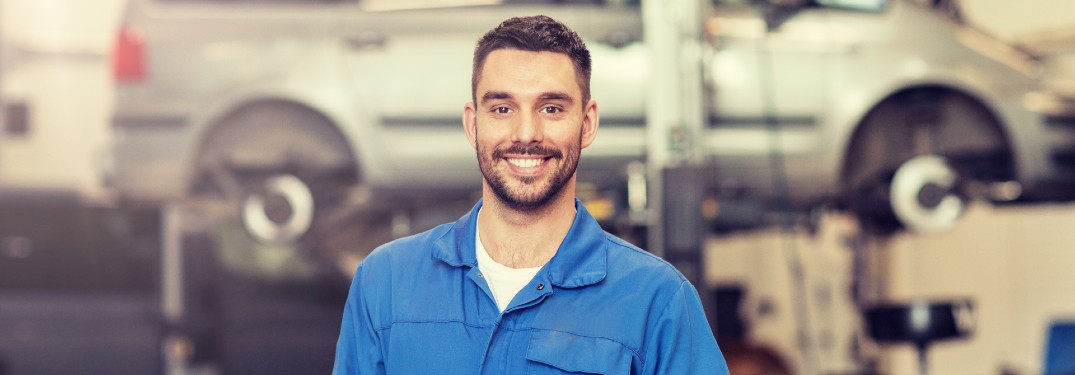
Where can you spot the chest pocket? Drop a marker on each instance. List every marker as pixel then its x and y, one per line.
pixel 552 352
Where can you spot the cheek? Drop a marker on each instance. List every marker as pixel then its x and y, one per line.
pixel 487 141
pixel 483 134
pixel 566 136
pixel 488 130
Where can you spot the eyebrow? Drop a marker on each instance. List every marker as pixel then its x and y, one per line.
pixel 500 95
pixel 555 96
pixel 495 95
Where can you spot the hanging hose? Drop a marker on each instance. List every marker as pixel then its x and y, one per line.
pixel 778 170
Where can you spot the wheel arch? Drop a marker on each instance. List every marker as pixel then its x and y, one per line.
pixel 964 101
pixel 928 125
pixel 225 121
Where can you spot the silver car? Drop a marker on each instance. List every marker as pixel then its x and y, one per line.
pixel 297 116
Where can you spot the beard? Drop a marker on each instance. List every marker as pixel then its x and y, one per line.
pixel 529 193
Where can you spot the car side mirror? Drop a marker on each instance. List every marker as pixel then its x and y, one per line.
pixel 779 12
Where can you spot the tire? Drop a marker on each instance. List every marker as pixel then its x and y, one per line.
pixel 279 183
pixel 918 159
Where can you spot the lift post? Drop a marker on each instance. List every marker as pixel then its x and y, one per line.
pixel 675 117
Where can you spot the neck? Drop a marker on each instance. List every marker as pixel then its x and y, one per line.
pixel 524 239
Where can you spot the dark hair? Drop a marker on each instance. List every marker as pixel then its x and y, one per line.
pixel 535 34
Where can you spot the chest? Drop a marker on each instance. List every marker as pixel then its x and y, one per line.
pixel 450 325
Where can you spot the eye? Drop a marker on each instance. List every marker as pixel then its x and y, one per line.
pixel 551 110
pixel 501 110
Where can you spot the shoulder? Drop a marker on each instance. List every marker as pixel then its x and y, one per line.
pixel 410 246
pixel 408 251
pixel 391 267
pixel 634 264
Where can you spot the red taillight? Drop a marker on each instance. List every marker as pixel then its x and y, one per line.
pixel 129 58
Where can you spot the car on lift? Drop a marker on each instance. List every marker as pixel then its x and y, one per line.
pixel 314 121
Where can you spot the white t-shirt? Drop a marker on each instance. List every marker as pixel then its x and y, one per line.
pixel 505 282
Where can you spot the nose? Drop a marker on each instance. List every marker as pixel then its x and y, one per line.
pixel 528 129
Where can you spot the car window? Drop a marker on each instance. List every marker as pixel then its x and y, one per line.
pixel 948 8
pixel 867 5
pixel 258 1
pixel 418 4
pixel 754 2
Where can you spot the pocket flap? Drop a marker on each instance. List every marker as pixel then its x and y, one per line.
pixel 574 353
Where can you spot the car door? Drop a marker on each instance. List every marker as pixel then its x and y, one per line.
pixel 411 69
pixel 769 73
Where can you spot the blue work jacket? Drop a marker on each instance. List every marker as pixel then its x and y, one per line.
pixel 419 305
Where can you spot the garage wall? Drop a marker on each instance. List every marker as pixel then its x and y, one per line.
pixel 1017 263
pixel 55 64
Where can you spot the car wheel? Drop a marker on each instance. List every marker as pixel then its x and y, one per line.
pixel 919 158
pixel 286 200
pixel 290 225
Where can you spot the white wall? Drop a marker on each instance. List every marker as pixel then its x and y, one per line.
pixel 1017 263
pixel 56 61
pixel 762 262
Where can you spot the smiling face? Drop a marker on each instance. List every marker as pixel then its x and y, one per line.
pixel 529 125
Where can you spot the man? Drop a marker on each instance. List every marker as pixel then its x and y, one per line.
pixel 527 282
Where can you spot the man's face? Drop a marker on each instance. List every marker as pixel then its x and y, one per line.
pixel 529 125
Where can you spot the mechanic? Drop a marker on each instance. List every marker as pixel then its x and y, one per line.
pixel 527 282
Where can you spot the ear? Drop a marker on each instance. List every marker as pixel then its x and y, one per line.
pixel 590 122
pixel 470 124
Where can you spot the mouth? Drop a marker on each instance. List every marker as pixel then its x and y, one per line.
pixel 527 166
pixel 527 161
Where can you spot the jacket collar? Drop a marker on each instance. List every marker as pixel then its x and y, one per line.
pixel 581 259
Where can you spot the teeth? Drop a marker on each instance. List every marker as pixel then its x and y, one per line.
pixel 525 163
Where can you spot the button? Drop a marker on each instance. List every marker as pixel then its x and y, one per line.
pixel 481 276
pixel 540 286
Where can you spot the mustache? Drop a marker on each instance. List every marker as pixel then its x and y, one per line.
pixel 533 150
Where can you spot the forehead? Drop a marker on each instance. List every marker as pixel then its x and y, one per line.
pixel 516 70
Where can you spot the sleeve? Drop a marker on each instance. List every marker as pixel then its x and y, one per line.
pixel 358 350
pixel 681 341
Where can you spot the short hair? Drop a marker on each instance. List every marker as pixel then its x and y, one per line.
pixel 535 34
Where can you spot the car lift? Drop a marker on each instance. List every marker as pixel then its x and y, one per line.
pixel 674 121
